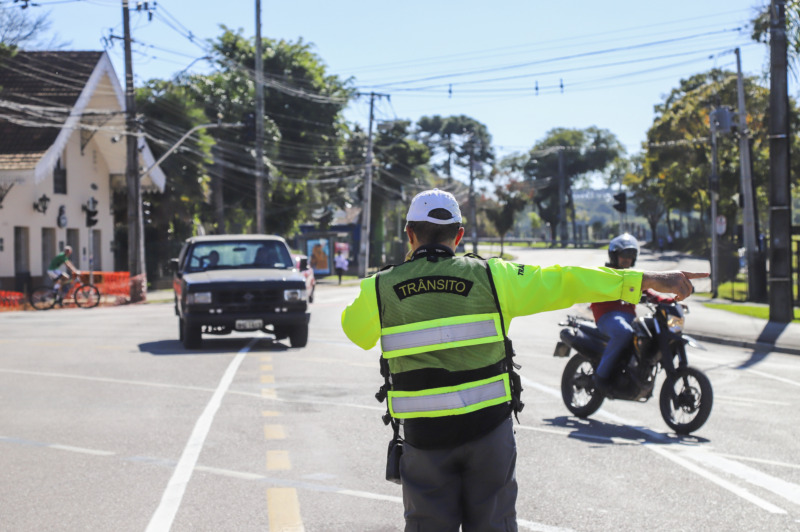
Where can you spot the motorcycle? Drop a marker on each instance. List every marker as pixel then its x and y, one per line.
pixel 658 343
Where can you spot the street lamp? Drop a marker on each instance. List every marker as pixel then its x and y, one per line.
pixel 41 204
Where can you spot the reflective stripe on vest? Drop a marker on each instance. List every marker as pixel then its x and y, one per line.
pixel 450 400
pixel 444 333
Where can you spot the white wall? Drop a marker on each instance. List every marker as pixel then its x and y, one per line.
pixel 83 170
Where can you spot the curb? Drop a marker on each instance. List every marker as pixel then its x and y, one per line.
pixel 756 346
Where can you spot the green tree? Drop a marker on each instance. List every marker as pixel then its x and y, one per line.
pixel 22 29
pixel 647 192
pixel 169 112
pixel 304 128
pixel 455 140
pixel 679 151
pixel 584 152
pixel 400 170
pixel 511 199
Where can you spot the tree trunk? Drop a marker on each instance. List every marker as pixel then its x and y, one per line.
pixel 653 229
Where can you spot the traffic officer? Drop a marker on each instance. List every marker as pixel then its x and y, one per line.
pixel 450 382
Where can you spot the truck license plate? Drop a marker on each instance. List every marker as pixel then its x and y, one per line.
pixel 249 325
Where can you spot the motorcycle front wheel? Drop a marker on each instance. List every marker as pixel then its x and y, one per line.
pixel 577 387
pixel 686 400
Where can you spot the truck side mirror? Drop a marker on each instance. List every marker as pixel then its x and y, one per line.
pixel 303 264
pixel 174 264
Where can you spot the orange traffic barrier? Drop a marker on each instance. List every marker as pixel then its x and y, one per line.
pixel 110 283
pixel 11 300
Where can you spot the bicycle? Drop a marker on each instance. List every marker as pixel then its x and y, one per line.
pixel 85 295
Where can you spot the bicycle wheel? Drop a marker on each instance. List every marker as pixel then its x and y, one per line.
pixel 87 296
pixel 43 298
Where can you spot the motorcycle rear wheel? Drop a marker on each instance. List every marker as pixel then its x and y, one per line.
pixel 577 387
pixel 686 400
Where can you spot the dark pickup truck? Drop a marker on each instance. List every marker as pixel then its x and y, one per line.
pixel 226 283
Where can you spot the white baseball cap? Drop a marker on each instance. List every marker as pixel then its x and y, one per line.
pixel 425 203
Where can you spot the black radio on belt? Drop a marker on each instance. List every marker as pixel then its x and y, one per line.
pixel 393 460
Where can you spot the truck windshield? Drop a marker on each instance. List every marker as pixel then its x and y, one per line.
pixel 238 255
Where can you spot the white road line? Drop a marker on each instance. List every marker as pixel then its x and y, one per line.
pixel 540 527
pixel 102 379
pixel 662 449
pixel 193 388
pixel 773 377
pixel 780 487
pixel 741 492
pixel 749 400
pixel 82 450
pixel 760 460
pixel 173 495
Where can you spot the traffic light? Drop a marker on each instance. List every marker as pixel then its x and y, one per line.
pixel 91 212
pixel 621 204
pixel 249 121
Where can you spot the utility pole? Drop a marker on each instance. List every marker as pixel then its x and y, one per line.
pixel 473 215
pixel 714 188
pixel 562 193
pixel 755 279
pixel 259 125
pixel 136 268
pixel 366 210
pixel 780 218
pixel 721 122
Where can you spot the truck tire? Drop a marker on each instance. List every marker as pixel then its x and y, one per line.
pixel 298 336
pixel 191 337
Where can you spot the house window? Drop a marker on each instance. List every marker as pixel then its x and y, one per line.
pixel 60 177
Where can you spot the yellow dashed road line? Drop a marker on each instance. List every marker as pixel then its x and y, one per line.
pixel 278 461
pixel 283 505
pixel 283 508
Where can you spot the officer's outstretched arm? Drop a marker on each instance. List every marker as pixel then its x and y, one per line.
pixel 671 282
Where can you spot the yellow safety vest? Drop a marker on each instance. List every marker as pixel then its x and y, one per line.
pixel 442 314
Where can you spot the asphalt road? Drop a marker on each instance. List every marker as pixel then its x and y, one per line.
pixel 109 424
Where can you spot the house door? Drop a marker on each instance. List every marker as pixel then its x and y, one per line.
pixel 48 247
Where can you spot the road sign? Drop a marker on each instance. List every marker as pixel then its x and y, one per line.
pixel 721 224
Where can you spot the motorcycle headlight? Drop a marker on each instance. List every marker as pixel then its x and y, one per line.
pixel 198 298
pixel 675 324
pixel 294 295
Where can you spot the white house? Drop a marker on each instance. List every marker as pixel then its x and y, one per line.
pixel 62 146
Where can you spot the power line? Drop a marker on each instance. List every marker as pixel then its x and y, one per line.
pixel 560 58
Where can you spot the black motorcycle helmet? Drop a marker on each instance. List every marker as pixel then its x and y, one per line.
pixel 624 244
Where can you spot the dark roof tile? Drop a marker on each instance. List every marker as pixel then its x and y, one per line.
pixel 50 79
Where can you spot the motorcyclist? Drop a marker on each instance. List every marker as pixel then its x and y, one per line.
pixel 614 318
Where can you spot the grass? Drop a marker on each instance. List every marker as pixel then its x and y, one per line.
pixel 756 311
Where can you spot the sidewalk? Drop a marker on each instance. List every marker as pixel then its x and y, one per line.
pixel 730 328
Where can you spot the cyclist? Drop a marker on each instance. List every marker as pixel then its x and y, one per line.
pixel 58 268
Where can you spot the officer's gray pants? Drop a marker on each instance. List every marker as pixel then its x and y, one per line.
pixel 472 485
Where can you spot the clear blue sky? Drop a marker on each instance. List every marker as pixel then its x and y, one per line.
pixel 616 59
